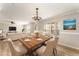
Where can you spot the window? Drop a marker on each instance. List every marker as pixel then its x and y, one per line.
pixel 47 27
pixel 50 27
pixel 1 31
pixel 26 28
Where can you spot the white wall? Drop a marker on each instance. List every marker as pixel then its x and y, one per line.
pixel 67 37
pixel 5 27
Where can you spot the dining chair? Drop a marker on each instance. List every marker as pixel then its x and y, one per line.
pixel 55 45
pixel 50 39
pixel 16 36
pixel 23 35
pixel 13 36
pixel 16 50
pixel 49 49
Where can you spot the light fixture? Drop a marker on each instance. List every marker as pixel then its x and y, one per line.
pixel 12 22
pixel 36 17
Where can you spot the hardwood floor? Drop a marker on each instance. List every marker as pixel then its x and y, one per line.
pixel 67 51
pixel 4 49
pixel 61 50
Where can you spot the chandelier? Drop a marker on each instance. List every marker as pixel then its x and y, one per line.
pixel 36 17
pixel 12 22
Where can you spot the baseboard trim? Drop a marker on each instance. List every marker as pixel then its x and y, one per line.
pixel 70 48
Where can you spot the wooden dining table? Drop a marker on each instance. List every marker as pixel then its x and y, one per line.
pixel 33 44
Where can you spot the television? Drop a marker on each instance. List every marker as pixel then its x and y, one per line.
pixel 12 28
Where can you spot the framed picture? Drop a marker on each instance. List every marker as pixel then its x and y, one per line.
pixel 69 24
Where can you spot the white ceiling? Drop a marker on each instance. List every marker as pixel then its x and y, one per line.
pixel 23 12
